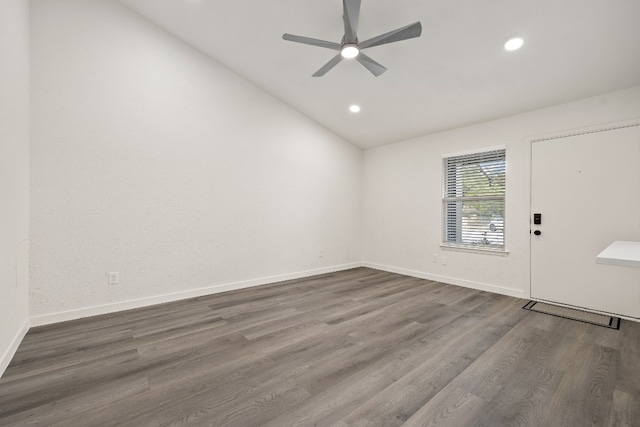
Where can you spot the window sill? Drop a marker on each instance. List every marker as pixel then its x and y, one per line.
pixel 485 251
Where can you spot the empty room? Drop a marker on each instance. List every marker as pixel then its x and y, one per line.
pixel 319 213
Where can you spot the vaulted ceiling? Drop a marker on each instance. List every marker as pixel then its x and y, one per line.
pixel 457 73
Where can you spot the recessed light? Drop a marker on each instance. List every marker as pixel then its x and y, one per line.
pixel 514 44
pixel 350 51
pixel 354 108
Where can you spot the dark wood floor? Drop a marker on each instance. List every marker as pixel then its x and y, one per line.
pixel 355 348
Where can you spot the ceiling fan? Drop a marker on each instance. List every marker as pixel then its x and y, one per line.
pixel 350 46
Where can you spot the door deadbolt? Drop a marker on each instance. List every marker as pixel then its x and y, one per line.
pixel 537 232
pixel 537 218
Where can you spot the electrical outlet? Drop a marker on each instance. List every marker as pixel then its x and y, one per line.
pixel 443 260
pixel 434 258
pixel 113 278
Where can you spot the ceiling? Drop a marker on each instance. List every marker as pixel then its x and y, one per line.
pixel 457 73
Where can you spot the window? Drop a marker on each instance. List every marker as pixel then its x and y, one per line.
pixel 473 200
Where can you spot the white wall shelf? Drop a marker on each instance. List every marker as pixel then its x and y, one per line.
pixel 620 253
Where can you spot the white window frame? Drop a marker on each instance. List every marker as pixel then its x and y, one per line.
pixel 447 198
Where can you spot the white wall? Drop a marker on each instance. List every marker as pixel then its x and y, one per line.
pixel 402 194
pixel 14 175
pixel 151 160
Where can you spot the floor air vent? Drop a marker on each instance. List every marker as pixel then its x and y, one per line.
pixel 574 314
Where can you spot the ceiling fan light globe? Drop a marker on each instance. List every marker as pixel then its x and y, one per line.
pixel 349 51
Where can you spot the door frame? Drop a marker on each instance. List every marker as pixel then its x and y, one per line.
pixel 602 127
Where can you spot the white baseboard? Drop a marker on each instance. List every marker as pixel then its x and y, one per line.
pixel 450 280
pixel 6 357
pixel 64 316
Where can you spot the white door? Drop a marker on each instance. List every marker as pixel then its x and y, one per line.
pixel 587 190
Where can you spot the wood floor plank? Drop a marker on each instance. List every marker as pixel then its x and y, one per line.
pixel 495 368
pixel 340 398
pixel 20 396
pixel 69 411
pixel 398 402
pixel 39 363
pixel 357 348
pixel 625 411
pixel 585 395
pixel 525 399
pixel 452 407
pixel 331 371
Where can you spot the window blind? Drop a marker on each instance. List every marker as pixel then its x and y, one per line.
pixel 474 187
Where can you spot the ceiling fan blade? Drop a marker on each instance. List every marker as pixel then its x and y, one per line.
pixel 328 66
pixel 312 42
pixel 351 17
pixel 404 33
pixel 371 65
